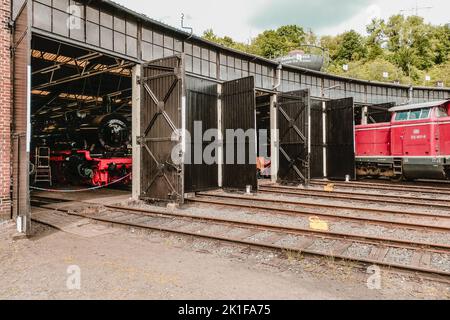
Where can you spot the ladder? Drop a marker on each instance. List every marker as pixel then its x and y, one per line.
pixel 43 171
pixel 398 166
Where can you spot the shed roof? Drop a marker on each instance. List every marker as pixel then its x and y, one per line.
pixel 146 18
pixel 419 106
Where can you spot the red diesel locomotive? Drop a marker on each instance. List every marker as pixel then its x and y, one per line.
pixel 414 145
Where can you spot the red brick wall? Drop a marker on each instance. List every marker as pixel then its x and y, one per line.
pixel 5 110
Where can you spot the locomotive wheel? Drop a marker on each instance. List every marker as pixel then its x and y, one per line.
pixel 398 178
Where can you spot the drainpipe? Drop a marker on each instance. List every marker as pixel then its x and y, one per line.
pixel 274 141
pixel 191 30
pixel 278 76
pixel 410 94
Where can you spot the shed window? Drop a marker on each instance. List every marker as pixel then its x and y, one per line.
pixel 41 16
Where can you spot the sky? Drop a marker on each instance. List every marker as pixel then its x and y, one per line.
pixel 244 19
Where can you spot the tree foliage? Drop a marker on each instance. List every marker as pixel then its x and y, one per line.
pixel 406 48
pixel 351 48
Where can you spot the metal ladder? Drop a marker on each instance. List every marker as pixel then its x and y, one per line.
pixel 42 166
pixel 398 167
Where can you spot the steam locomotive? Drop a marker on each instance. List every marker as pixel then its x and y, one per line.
pixel 414 145
pixel 92 150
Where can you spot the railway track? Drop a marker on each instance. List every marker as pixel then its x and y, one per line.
pixel 355 196
pixel 385 187
pixel 333 217
pixel 382 252
pixel 213 199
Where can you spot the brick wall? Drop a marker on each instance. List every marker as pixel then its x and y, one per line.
pixel 5 110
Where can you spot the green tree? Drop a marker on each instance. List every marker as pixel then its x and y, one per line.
pixel 352 47
pixel 410 42
pixel 225 41
pixel 279 42
pixel 268 44
pixel 405 47
pixel 441 73
pixel 375 39
pixel 372 70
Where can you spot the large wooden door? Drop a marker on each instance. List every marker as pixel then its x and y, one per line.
pixel 340 139
pixel 161 135
pixel 293 126
pixel 21 115
pixel 239 114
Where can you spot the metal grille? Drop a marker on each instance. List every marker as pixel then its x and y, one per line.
pixel 161 124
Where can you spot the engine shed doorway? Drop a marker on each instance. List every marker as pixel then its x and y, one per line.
pixel 332 138
pixel 184 132
pixel 80 122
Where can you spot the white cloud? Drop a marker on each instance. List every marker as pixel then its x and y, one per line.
pixel 232 17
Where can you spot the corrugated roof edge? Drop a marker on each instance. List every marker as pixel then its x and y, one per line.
pixel 419 106
pixel 262 59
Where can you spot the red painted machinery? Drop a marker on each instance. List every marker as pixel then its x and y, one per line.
pixel 89 150
pixel 79 166
pixel 414 145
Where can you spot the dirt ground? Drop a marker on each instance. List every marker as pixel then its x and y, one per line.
pixel 134 264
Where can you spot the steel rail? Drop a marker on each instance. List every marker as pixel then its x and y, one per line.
pixel 335 217
pixel 329 206
pixel 419 202
pixel 386 186
pixel 438 248
pixel 243 225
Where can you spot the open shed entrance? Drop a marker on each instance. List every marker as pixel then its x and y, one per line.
pixel 81 105
pixel 264 135
pixel 332 139
pixel 195 134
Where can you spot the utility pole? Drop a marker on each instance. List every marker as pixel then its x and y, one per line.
pixel 416 9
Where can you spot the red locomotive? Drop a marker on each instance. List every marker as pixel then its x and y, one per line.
pixel 414 145
pixel 93 150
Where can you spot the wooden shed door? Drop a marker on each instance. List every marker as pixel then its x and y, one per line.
pixel 21 112
pixel 161 130
pixel 293 126
pixel 340 139
pixel 239 114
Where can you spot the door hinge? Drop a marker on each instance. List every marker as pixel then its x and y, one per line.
pixel 11 24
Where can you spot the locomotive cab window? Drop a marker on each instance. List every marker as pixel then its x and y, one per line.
pixel 441 112
pixel 419 114
pixel 425 114
pixel 402 116
pixel 414 115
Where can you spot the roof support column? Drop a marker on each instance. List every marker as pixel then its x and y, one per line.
pixel 136 131
pixel 275 138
